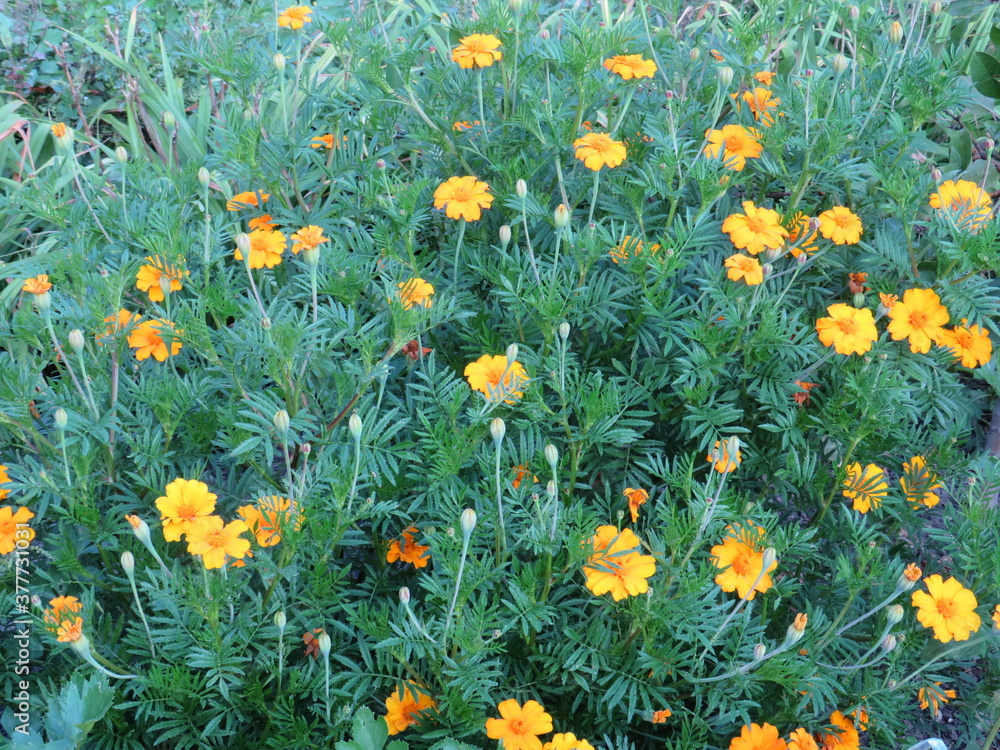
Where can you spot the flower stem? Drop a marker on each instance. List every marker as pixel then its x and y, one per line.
pixel 482 116
pixel 458 584
pixel 501 526
pixel 357 470
pixel 69 367
pixel 833 491
pixel 458 250
pixel 593 197
pixel 142 615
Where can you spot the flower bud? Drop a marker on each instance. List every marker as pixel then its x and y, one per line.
pixel 306 449
pixel 355 426
pixel 128 563
pixel 896 33
pixel 164 283
pixel 908 578
pixel 545 34
pixel 936 7
pixel 169 121
pixel 888 643
pixel 504 236
pixel 839 64
pixel 325 644
pixel 796 630
pixel 468 522
pixel 515 5
pixel 772 254
pixel 670 94
pixel 989 144
pixel 404 595
pixel 854 12
pixel 63 135
pixel 759 651
pixel 61 418
pixel 521 189
pixel 620 515
pixel 204 177
pixel 265 323
pixel 808 73
pixel 498 429
pixel 36 601
pixel 552 456
pixel 859 300
pixel 725 74
pixel 564 330
pixel 694 54
pixel 767 269
pixel 769 558
pixel 281 422
pixel 139 528
pixel 511 354
pixel 311 256
pixel 279 62
pixel 43 302
pixel 121 155
pixel 280 620
pixel 76 340
pixel 243 244
pixel 551 490
pixel 894 614
pixel 561 217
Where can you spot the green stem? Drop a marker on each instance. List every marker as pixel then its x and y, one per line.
pixel 458 250
pixel 482 115
pixel 836 485
pixel 593 197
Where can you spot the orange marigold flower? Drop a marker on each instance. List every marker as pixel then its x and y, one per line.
pixel 965 201
pixel 735 143
pixel 840 225
pixel 59 129
pixel 630 66
pixel 660 717
pixel 848 330
pixel 307 238
pixel 520 472
pixel 463 197
pixel 801 621
pixel 756 737
pixel 760 101
pixel 764 77
pixel 14 529
pixel 919 484
pixel 716 54
pixel 413 350
pixel 416 291
pixel 887 300
pixel 147 340
pixel 996 616
pixel 802 397
pixel 845 737
pixel 800 739
pixel 214 540
pixel 403 708
pixel 477 51
pixel 597 150
pixel 636 497
pixel 244 200
pixel 269 517
pixel 185 505
pixel 741 561
pixel 295 17
pixel 266 247
pixel 616 566
pixel 628 248
pixel 322 141
pixel 4 478
pixel 264 222
pixel 755 230
pixel 487 372
pixel 70 631
pixel 37 285
pixel 723 462
pixel 801 235
pixel 520 725
pixel 919 318
pixel 947 607
pixel 61 610
pixel 746 268
pixel 933 697
pixel 312 642
pixel 969 344
pixel 119 322
pixel 148 277
pixel 464 125
pixel 409 551
pixel 567 741
pixel 912 572
pixel 866 488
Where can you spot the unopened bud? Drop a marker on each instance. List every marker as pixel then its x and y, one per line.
pixel 498 429
pixel 694 54
pixel 164 283
pixel 121 154
pixel 468 522
pixel 773 253
pixel 839 64
pixel 896 32
pixel 725 74
pixel 76 340
pixel 521 189
pixel 544 33
pixel 169 121
pixel 139 528
pixel 759 651
pixel 128 563
pixel 936 7
pixel 325 644
pixel 859 300
pixel 670 94
pixel 311 256
pixel 770 557
pixel 561 217
pixel 515 5
pixel 265 323
pixel 854 12
pixel 894 614
pixel 244 245
pixel 279 62
pixel 36 601
pixel 280 620
pixel 61 418
pixel 504 236
pixel 281 422
pixel 989 144
pixel 552 456
pixel 380 164
pixel 354 425
pixel 564 330
pixel 404 595
pixel 814 224
pixel 204 177
pixel 511 354
pixel 888 643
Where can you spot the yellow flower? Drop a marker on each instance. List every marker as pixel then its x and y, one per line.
pixel 477 51
pixel 409 552
pixel 970 344
pixel 71 630
pixel 932 696
pixel 660 717
pixel 630 247
pixel 463 197
pixel 520 726
pixel 919 484
pixel 13 528
pixel 268 517
pixel 486 373
pixel 322 141
pixel 266 247
pixel 567 741
pixel 630 66
pixel 947 607
pixel 735 143
pixel 61 609
pixel 214 540
pixel 119 322
pixel 243 200
pixel 147 340
pixel 800 739
pixel 597 150
pixel 866 488
pixel 264 221
pixel 636 497
pixel 720 455
pixel 306 238
pixel 186 503
pixel 295 17
pixel 761 102
pixel 756 737
pixel 403 708
pixel 58 129
pixel 764 77
pixel 840 225
pixel 616 566
pixel 742 561
pixel 919 318
pixel 416 291
pixel 848 330
pixel 799 228
pixel 148 278
pixel 845 738
pixel 755 230
pixel 746 268
pixel 4 478
pixel 37 285
pixel 968 203
pixel 996 616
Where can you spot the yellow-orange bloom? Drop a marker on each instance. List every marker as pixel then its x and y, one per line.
pixel 760 101
pixel 919 484
pixel 723 462
pixel 848 330
pixel 919 318
pixel 416 291
pixel 801 739
pixel 59 129
pixel 4 478
pixel 636 497
pixel 403 708
pixel 912 573
pixel 755 230
pixel 597 150
pixel 970 344
pixel 409 551
pixel 996 616
pixel 70 631
pixel 214 540
pixel 567 741
pixel 845 737
pixel 307 238
pixel 933 697
pixel 147 340
pixel 735 143
pixel 741 561
pixel 660 717
pixel 61 609
pixel 37 285
pixel 520 725
pixel 746 268
pixel 322 141
pixel 14 528
pixel 630 66
pixel 463 197
pixel 756 737
pixel 186 504
pixel 964 200
pixel 487 372
pixel 800 234
pixel 630 247
pixel 266 247
pixel 840 225
pixel 148 277
pixel 477 51
pixel 264 221
pixel 616 566
pixel 267 519
pixel 947 607
pixel 867 488
pixel 243 200
pixel 295 17
pixel 764 77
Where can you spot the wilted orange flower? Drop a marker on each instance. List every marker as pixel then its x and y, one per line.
pixel 628 248
pixel 799 227
pixel 61 609
pixel 295 17
pixel 912 572
pixel 919 484
pixel 760 101
pixel 148 278
pixel 244 200
pixel 866 488
pixel 269 517
pixel 848 330
pixel 746 268
pixel 801 621
pixel 630 66
pixel 416 291
pixel 70 630
pixel 307 238
pixel 755 230
pixel 741 561
pixel 856 283
pixel 186 504
pixel 37 285
pixel 59 129
pixel 465 125
pixel 147 340
pixel 403 708
pixel 660 717
pixel 933 697
pixel 409 551
pixel 802 397
pixel 312 642
pixel 845 738
pixel 12 528
pixel 616 566
pixel 947 607
pixel 520 726
pixel 756 737
pixel 840 225
pixel 413 350
pixel 800 739
pixel 970 344
pixel 764 77
pixel 214 540
pixel 477 51
pixel 723 462
pixel 485 375
pixel 264 222
pixel 887 300
pixel 266 247
pixel 969 204
pixel 463 197
pixel 597 150
pixel 322 141
pixel 735 143
pixel 919 318
pixel 636 497
pixel 716 54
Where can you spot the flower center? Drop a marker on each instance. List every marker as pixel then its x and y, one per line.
pixel 843 220
pixel 847 326
pixel 756 225
pixel 918 319
pixel 946 608
pixel 963 339
pixel 516 726
pixel 7 528
pixel 734 143
pixel 216 539
pixel 461 195
pixel 741 565
pixel 186 512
